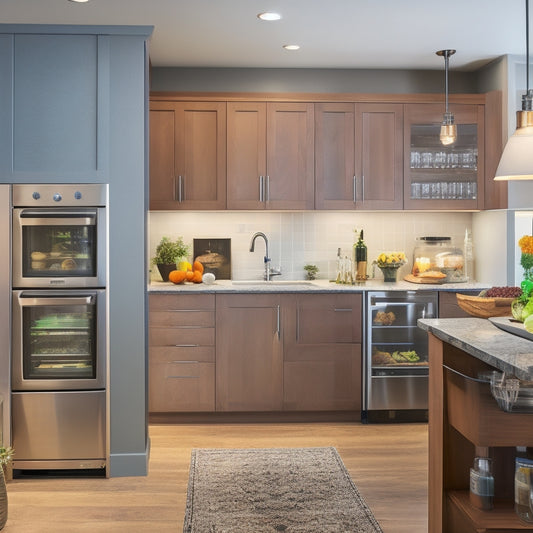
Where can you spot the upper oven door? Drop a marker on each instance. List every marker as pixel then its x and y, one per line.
pixel 59 340
pixel 59 247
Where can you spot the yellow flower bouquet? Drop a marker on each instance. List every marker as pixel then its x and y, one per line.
pixel 391 259
pixel 389 263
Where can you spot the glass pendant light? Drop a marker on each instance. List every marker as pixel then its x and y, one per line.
pixel 516 162
pixel 448 129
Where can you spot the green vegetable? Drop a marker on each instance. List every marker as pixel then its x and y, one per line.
pixel 405 357
pixel 528 309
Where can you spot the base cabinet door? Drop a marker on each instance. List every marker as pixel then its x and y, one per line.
pixel 249 363
pixel 322 337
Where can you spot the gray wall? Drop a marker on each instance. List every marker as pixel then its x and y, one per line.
pixel 309 80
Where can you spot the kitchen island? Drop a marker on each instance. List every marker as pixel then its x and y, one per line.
pixel 465 422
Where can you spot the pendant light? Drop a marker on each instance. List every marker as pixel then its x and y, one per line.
pixel 448 129
pixel 516 162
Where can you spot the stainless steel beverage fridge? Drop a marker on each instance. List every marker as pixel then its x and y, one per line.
pixel 396 361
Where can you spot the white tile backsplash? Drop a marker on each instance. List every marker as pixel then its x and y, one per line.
pixel 297 238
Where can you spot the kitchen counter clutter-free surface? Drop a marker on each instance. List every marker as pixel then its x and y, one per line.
pixel 315 286
pixel 481 339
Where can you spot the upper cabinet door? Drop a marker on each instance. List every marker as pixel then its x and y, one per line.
pixel 246 155
pixel 359 156
pixel 193 135
pixel 59 97
pixel 438 176
pixel 335 180
pixel 379 156
pixel 290 156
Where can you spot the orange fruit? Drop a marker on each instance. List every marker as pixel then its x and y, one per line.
pixel 188 275
pixel 176 276
pixel 198 266
pixel 197 277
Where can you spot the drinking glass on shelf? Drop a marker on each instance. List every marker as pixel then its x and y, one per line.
pixel 444 190
pixel 452 160
pixel 426 159
pixel 415 190
pixel 435 191
pixel 415 159
pixel 440 160
pixel 425 190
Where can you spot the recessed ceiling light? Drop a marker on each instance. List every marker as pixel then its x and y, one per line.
pixel 291 46
pixel 79 1
pixel 268 15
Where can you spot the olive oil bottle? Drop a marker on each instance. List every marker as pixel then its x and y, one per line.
pixel 360 258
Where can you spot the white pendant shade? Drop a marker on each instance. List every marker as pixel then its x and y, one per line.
pixel 516 162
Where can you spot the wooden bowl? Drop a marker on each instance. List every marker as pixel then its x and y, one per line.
pixel 485 307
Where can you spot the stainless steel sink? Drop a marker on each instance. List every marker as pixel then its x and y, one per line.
pixel 272 282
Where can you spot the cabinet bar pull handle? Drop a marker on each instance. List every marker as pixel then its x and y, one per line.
pixel 469 378
pixel 186 345
pixel 268 189
pixel 180 189
pixel 174 188
pixel 183 362
pixel 183 377
pixel 363 185
pixel 354 189
pixel 261 189
pixel 340 310
pixel 278 323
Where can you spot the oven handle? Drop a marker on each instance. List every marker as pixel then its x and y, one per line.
pixel 72 220
pixel 32 301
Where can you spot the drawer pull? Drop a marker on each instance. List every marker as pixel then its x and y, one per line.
pixel 186 345
pixel 183 377
pixel 340 310
pixel 184 362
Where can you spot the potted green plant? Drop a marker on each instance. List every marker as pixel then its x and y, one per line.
pixel 6 457
pixel 6 461
pixel 311 270
pixel 168 253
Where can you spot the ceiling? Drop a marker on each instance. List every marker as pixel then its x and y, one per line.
pixel 382 34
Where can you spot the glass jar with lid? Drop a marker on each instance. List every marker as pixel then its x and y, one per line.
pixel 437 254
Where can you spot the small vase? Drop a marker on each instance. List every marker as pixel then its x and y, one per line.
pixel 390 273
pixel 3 500
pixel 165 270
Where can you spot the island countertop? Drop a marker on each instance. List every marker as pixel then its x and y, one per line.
pixel 480 338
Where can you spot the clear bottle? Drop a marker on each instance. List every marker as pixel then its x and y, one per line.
pixel 482 484
pixel 469 257
pixel 339 273
pixel 522 484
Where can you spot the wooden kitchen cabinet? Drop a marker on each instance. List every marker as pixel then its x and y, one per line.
pixel 322 336
pixel 249 356
pixel 187 155
pixel 181 353
pixel 465 421
pixel 438 176
pixel 270 155
pixel 358 156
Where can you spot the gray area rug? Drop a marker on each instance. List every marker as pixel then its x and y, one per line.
pixel 288 490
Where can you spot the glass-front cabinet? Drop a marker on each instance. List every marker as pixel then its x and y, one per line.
pixel 438 176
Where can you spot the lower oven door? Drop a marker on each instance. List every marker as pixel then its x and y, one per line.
pixel 59 340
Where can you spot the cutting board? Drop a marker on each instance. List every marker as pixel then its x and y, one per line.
pixel 416 279
pixel 511 326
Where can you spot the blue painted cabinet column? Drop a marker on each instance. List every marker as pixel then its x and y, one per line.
pixel 74 109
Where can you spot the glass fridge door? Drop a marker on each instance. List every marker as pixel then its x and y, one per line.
pixel 397 346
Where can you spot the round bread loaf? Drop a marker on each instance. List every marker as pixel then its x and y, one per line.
pixel 68 264
pixel 38 256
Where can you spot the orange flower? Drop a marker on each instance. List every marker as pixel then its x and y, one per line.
pixel 526 244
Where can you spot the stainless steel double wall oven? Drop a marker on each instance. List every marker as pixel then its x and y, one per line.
pixel 58 374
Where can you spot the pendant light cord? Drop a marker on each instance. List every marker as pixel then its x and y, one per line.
pixel 527 45
pixel 446 61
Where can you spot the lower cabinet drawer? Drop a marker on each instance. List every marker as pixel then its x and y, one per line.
pixel 172 354
pixel 187 336
pixel 182 386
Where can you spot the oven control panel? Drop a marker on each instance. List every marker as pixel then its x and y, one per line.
pixel 69 195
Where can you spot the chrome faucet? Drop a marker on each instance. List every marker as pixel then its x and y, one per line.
pixel 268 271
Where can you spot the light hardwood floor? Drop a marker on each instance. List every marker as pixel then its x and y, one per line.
pixel 388 463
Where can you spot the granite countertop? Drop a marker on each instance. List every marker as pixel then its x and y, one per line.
pixel 480 338
pixel 316 286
